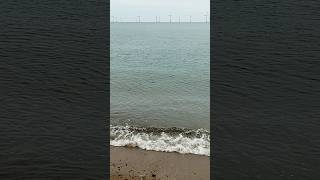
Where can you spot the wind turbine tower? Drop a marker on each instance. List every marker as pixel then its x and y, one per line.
pixel 206 18
pixel 139 19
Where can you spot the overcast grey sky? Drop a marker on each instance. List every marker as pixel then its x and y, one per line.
pixel 128 10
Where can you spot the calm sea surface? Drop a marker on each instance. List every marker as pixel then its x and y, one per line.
pixel 160 75
pixel 266 89
pixel 53 90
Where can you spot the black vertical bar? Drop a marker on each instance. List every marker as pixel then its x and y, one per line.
pixel 54 86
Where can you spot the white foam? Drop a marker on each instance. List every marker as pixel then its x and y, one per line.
pixel 162 141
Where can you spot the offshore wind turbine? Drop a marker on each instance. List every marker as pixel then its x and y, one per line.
pixel 139 18
pixel 170 17
pixel 206 15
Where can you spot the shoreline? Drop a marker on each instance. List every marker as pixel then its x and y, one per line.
pixel 133 163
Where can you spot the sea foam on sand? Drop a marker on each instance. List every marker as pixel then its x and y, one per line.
pixel 179 140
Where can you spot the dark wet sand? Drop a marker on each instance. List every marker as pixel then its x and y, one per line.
pixel 137 164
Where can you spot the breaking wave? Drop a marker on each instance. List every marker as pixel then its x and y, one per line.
pixel 162 139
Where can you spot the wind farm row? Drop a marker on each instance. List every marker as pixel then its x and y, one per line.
pixel 157 19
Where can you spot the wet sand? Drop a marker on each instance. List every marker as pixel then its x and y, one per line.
pixel 137 164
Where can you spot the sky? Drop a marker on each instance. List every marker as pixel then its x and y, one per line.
pixel 128 10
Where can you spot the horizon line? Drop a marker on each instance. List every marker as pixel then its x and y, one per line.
pixel 160 22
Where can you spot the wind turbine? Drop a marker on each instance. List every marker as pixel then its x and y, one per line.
pixel 170 18
pixel 206 15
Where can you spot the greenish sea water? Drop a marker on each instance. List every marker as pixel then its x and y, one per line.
pixel 160 74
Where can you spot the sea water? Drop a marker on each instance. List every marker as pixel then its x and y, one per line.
pixel 160 86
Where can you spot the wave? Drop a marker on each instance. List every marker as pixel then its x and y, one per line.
pixel 162 139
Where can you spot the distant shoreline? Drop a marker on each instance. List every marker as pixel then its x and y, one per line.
pixel 135 163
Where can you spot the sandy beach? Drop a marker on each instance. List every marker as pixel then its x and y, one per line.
pixel 137 164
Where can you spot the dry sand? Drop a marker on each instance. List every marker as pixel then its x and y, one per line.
pixel 137 164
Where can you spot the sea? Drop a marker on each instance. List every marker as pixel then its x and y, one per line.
pixel 160 86
pixel 54 90
pixel 265 90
